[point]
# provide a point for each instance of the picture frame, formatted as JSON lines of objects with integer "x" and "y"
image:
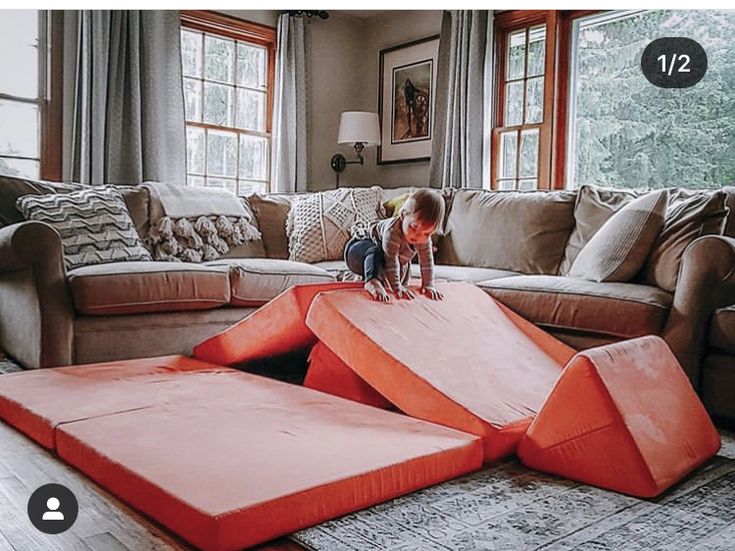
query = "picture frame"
{"x": 406, "y": 100}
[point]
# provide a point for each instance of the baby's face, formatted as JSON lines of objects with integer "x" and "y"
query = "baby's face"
{"x": 415, "y": 230}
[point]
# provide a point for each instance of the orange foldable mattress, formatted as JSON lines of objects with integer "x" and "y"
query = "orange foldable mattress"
{"x": 465, "y": 362}
{"x": 223, "y": 458}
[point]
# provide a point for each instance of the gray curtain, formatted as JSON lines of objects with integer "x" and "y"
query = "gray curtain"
{"x": 123, "y": 115}
{"x": 290, "y": 139}
{"x": 457, "y": 144}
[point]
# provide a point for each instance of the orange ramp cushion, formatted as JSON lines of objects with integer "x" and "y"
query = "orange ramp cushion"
{"x": 252, "y": 459}
{"x": 329, "y": 374}
{"x": 623, "y": 417}
{"x": 465, "y": 362}
{"x": 276, "y": 328}
{"x": 36, "y": 402}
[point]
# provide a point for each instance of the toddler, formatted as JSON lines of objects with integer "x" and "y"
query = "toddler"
{"x": 383, "y": 254}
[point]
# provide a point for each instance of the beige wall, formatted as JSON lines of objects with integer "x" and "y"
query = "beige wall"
{"x": 264, "y": 17}
{"x": 386, "y": 30}
{"x": 344, "y": 62}
{"x": 337, "y": 64}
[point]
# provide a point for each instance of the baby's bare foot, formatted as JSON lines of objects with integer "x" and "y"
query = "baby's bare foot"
{"x": 377, "y": 291}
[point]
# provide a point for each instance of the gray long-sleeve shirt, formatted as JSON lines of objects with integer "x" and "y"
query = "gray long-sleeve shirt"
{"x": 398, "y": 254}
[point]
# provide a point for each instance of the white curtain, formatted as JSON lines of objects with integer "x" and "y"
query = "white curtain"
{"x": 460, "y": 110}
{"x": 290, "y": 139}
{"x": 123, "y": 113}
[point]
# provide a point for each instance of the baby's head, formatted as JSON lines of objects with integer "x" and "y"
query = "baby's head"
{"x": 421, "y": 214}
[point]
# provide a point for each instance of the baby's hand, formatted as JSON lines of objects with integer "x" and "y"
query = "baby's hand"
{"x": 377, "y": 291}
{"x": 404, "y": 292}
{"x": 432, "y": 293}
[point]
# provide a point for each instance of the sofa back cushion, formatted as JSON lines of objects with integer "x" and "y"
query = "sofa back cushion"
{"x": 519, "y": 231}
{"x": 271, "y": 212}
{"x": 619, "y": 248}
{"x": 136, "y": 199}
{"x": 690, "y": 214}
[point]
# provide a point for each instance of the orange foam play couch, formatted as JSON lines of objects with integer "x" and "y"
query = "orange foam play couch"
{"x": 223, "y": 458}
{"x": 466, "y": 362}
{"x": 623, "y": 417}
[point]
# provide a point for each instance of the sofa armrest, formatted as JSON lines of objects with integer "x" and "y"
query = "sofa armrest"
{"x": 706, "y": 282}
{"x": 36, "y": 324}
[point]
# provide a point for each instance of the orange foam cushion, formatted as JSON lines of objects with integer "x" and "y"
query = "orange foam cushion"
{"x": 623, "y": 417}
{"x": 247, "y": 459}
{"x": 276, "y": 328}
{"x": 35, "y": 402}
{"x": 465, "y": 362}
{"x": 327, "y": 373}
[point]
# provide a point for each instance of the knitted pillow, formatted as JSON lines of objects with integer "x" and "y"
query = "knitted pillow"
{"x": 620, "y": 247}
{"x": 199, "y": 239}
{"x": 94, "y": 225}
{"x": 319, "y": 224}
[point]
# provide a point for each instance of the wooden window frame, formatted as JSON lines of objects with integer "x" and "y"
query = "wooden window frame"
{"x": 48, "y": 98}
{"x": 244, "y": 31}
{"x": 505, "y": 24}
{"x": 553, "y": 129}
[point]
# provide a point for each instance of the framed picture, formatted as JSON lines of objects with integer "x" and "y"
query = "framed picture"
{"x": 407, "y": 94}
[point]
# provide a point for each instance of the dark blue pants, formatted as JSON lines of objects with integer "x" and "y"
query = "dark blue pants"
{"x": 364, "y": 257}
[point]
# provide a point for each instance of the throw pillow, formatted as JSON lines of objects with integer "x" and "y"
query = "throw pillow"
{"x": 319, "y": 224}
{"x": 620, "y": 247}
{"x": 593, "y": 207}
{"x": 199, "y": 238}
{"x": 690, "y": 215}
{"x": 94, "y": 225}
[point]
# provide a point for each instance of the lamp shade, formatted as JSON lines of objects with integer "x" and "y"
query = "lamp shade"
{"x": 359, "y": 126}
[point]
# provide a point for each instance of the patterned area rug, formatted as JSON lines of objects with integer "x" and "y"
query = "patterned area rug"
{"x": 509, "y": 507}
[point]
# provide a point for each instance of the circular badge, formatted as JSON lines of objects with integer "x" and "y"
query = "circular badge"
{"x": 674, "y": 62}
{"x": 53, "y": 508}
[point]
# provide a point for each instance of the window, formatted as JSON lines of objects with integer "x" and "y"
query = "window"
{"x": 22, "y": 43}
{"x": 625, "y": 132}
{"x": 522, "y": 138}
{"x": 228, "y": 68}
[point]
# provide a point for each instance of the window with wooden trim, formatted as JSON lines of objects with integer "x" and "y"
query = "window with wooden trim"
{"x": 228, "y": 72}
{"x": 22, "y": 91}
{"x": 521, "y": 139}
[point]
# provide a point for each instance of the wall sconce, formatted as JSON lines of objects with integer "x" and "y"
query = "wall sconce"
{"x": 359, "y": 128}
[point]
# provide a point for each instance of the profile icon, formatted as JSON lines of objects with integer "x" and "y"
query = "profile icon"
{"x": 53, "y": 512}
{"x": 53, "y": 508}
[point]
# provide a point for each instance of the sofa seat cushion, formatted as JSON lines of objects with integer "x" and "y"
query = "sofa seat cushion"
{"x": 722, "y": 330}
{"x": 339, "y": 269}
{"x": 255, "y": 281}
{"x": 463, "y": 273}
{"x": 138, "y": 287}
{"x": 623, "y": 310}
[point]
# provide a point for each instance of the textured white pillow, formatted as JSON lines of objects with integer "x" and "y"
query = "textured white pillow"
{"x": 94, "y": 225}
{"x": 620, "y": 247}
{"x": 319, "y": 224}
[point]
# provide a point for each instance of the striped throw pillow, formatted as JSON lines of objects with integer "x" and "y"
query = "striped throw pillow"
{"x": 94, "y": 225}
{"x": 619, "y": 249}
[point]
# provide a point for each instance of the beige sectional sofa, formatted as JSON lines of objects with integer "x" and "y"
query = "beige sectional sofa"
{"x": 516, "y": 246}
